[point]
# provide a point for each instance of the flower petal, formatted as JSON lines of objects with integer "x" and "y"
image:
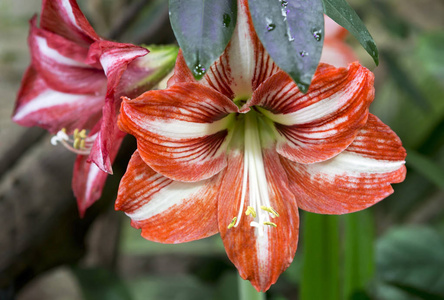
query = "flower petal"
{"x": 355, "y": 179}
{"x": 182, "y": 73}
{"x": 60, "y": 62}
{"x": 181, "y": 132}
{"x": 88, "y": 180}
{"x": 65, "y": 18}
{"x": 39, "y": 105}
{"x": 245, "y": 64}
{"x": 318, "y": 125}
{"x": 114, "y": 58}
{"x": 260, "y": 259}
{"x": 337, "y": 53}
{"x": 167, "y": 211}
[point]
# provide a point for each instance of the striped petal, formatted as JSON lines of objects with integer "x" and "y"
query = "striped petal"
{"x": 181, "y": 132}
{"x": 61, "y": 63}
{"x": 260, "y": 259}
{"x": 167, "y": 211}
{"x": 355, "y": 179}
{"x": 88, "y": 180}
{"x": 245, "y": 64}
{"x": 318, "y": 125}
{"x": 64, "y": 17}
{"x": 39, "y": 105}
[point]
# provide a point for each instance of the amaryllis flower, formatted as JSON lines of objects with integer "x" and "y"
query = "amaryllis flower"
{"x": 73, "y": 86}
{"x": 240, "y": 151}
{"x": 336, "y": 51}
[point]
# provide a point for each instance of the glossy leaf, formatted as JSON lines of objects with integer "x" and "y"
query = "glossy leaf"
{"x": 344, "y": 15}
{"x": 293, "y": 33}
{"x": 203, "y": 29}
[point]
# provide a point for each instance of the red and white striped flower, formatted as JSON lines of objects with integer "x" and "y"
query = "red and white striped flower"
{"x": 73, "y": 87}
{"x": 240, "y": 151}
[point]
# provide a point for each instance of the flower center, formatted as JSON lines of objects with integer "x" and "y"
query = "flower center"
{"x": 78, "y": 143}
{"x": 254, "y": 179}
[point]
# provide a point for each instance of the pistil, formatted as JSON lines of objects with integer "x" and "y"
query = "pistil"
{"x": 254, "y": 179}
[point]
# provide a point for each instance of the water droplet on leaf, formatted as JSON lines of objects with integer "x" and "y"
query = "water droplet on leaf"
{"x": 303, "y": 53}
{"x": 317, "y": 34}
{"x": 199, "y": 71}
{"x": 227, "y": 20}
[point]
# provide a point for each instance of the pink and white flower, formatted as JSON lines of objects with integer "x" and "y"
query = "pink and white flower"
{"x": 73, "y": 87}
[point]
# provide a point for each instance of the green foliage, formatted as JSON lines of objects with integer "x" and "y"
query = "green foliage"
{"x": 341, "y": 12}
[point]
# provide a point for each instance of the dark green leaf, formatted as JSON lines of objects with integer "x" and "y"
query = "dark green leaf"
{"x": 412, "y": 259}
{"x": 344, "y": 15}
{"x": 292, "y": 32}
{"x": 203, "y": 29}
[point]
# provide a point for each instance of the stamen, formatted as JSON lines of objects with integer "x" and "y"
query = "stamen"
{"x": 270, "y": 224}
{"x": 250, "y": 210}
{"x": 232, "y": 223}
{"x": 270, "y": 210}
{"x": 80, "y": 143}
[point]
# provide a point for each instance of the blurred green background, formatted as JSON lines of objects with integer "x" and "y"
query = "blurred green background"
{"x": 394, "y": 250}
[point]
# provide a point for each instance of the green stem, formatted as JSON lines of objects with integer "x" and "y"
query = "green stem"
{"x": 247, "y": 291}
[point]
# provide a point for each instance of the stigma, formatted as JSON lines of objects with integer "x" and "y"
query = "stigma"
{"x": 258, "y": 209}
{"x": 79, "y": 142}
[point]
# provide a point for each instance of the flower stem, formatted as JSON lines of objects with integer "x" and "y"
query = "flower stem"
{"x": 247, "y": 291}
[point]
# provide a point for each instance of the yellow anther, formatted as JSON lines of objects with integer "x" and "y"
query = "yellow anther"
{"x": 232, "y": 223}
{"x": 77, "y": 143}
{"x": 270, "y": 210}
{"x": 82, "y": 144}
{"x": 76, "y": 134}
{"x": 250, "y": 210}
{"x": 63, "y": 130}
{"x": 82, "y": 134}
{"x": 270, "y": 224}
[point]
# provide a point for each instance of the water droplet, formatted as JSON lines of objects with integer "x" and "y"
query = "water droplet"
{"x": 317, "y": 34}
{"x": 199, "y": 71}
{"x": 283, "y": 3}
{"x": 227, "y": 20}
{"x": 303, "y": 53}
{"x": 270, "y": 24}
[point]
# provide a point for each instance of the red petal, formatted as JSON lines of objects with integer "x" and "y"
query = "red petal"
{"x": 61, "y": 63}
{"x": 167, "y": 211}
{"x": 318, "y": 125}
{"x": 355, "y": 179}
{"x": 88, "y": 180}
{"x": 182, "y": 73}
{"x": 65, "y": 18}
{"x": 181, "y": 132}
{"x": 258, "y": 259}
{"x": 38, "y": 105}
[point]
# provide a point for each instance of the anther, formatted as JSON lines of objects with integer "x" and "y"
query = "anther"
{"x": 232, "y": 223}
{"x": 270, "y": 210}
{"x": 270, "y": 224}
{"x": 250, "y": 210}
